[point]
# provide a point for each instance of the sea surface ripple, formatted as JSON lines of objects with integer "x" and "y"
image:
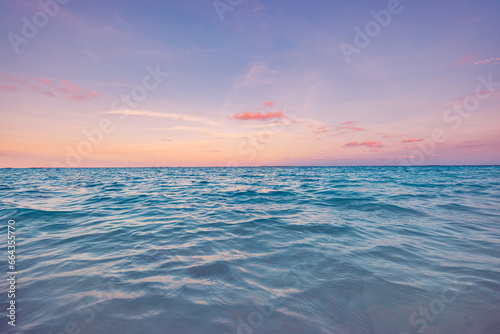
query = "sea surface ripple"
{"x": 254, "y": 250}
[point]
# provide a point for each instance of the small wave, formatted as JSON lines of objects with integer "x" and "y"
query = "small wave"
{"x": 215, "y": 269}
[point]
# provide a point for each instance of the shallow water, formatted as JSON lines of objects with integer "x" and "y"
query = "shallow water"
{"x": 254, "y": 250}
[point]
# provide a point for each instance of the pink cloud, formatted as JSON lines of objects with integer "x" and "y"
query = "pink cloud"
{"x": 269, "y": 104}
{"x": 167, "y": 140}
{"x": 90, "y": 95}
{"x": 372, "y": 143}
{"x": 21, "y": 84}
{"x": 12, "y": 79}
{"x": 351, "y": 128}
{"x": 247, "y": 116}
{"x": 488, "y": 61}
{"x": 348, "y": 127}
{"x": 464, "y": 60}
{"x": 319, "y": 129}
{"x": 75, "y": 92}
{"x": 458, "y": 101}
{"x": 461, "y": 100}
{"x": 66, "y": 87}
{"x": 341, "y": 129}
{"x": 47, "y": 87}
{"x": 412, "y": 140}
{"x": 393, "y": 136}
{"x": 39, "y": 89}
{"x": 368, "y": 143}
{"x": 44, "y": 81}
{"x": 409, "y": 156}
{"x": 8, "y": 87}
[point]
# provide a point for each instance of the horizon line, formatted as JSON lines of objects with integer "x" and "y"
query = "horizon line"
{"x": 272, "y": 166}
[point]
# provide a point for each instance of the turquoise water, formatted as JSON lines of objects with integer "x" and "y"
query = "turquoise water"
{"x": 254, "y": 250}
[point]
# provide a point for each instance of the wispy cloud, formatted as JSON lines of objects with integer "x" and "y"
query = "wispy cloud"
{"x": 8, "y": 87}
{"x": 350, "y": 128}
{"x": 148, "y": 113}
{"x": 472, "y": 20}
{"x": 464, "y": 60}
{"x": 390, "y": 136}
{"x": 461, "y": 100}
{"x": 343, "y": 128}
{"x": 469, "y": 144}
{"x": 209, "y": 133}
{"x": 412, "y": 140}
{"x": 488, "y": 61}
{"x": 258, "y": 74}
{"x": 368, "y": 143}
{"x": 249, "y": 116}
{"x": 47, "y": 87}
{"x": 347, "y": 127}
{"x": 319, "y": 129}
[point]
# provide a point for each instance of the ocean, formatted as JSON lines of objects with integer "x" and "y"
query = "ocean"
{"x": 316, "y": 250}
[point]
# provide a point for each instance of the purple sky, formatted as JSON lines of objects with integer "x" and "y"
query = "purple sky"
{"x": 228, "y": 83}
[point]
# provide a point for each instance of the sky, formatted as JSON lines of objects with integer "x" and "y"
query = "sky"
{"x": 124, "y": 83}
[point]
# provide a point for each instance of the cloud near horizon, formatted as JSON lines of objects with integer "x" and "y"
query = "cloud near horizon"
{"x": 390, "y": 136}
{"x": 470, "y": 144}
{"x": 249, "y": 116}
{"x": 180, "y": 117}
{"x": 351, "y": 128}
{"x": 319, "y": 129}
{"x": 368, "y": 143}
{"x": 412, "y": 140}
